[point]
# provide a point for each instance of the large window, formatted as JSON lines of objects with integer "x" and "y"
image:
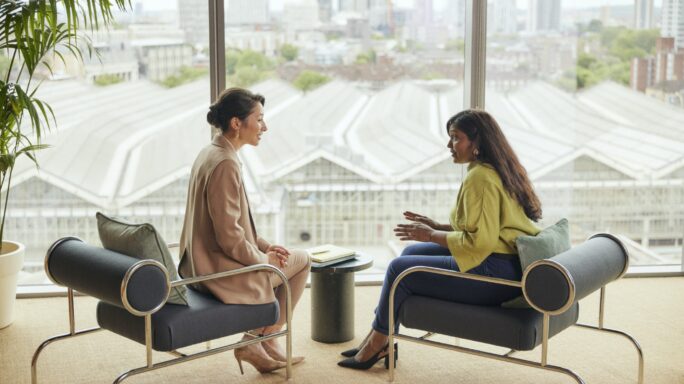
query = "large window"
{"x": 357, "y": 93}
{"x": 591, "y": 96}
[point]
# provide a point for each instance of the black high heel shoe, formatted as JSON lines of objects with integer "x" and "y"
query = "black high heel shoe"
{"x": 365, "y": 365}
{"x": 352, "y": 352}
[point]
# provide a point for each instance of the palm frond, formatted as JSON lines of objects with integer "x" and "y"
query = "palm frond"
{"x": 32, "y": 32}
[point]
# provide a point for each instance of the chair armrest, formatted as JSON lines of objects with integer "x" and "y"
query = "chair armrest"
{"x": 553, "y": 285}
{"x": 139, "y": 286}
{"x": 462, "y": 275}
{"x": 218, "y": 275}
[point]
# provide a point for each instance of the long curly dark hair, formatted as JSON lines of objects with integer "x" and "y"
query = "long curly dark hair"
{"x": 494, "y": 149}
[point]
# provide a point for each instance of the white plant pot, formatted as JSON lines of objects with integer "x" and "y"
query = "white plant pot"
{"x": 11, "y": 260}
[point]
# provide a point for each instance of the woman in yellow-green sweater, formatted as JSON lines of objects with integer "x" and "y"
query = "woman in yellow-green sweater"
{"x": 495, "y": 205}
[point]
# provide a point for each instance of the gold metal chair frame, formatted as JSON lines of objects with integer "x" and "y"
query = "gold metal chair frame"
{"x": 507, "y": 356}
{"x": 180, "y": 357}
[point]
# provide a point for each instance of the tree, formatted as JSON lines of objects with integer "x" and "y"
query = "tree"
{"x": 368, "y": 57}
{"x": 308, "y": 80}
{"x": 247, "y": 67}
{"x": 456, "y": 45}
{"x": 595, "y": 26}
{"x": 107, "y": 79}
{"x": 620, "y": 45}
{"x": 254, "y": 59}
{"x": 289, "y": 52}
{"x": 184, "y": 75}
{"x": 232, "y": 57}
{"x": 246, "y": 76}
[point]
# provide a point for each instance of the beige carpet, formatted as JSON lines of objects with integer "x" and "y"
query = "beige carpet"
{"x": 650, "y": 309}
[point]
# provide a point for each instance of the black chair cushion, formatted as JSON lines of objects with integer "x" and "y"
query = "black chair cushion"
{"x": 518, "y": 329}
{"x": 174, "y": 326}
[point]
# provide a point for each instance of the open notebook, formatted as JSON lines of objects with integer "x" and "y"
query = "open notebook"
{"x": 330, "y": 254}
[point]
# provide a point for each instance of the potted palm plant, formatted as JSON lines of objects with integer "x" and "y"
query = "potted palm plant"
{"x": 33, "y": 33}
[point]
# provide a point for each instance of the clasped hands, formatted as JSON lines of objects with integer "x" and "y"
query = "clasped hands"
{"x": 277, "y": 255}
{"x": 421, "y": 228}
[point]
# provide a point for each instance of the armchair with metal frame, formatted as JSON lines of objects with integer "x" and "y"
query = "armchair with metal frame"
{"x": 133, "y": 295}
{"x": 552, "y": 287}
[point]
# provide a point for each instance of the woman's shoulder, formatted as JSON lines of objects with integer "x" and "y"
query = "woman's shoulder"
{"x": 482, "y": 173}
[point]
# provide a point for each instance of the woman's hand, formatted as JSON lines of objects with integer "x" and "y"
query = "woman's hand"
{"x": 412, "y": 216}
{"x": 414, "y": 231}
{"x": 278, "y": 248}
{"x": 277, "y": 255}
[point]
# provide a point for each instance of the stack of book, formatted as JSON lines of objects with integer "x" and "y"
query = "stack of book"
{"x": 329, "y": 254}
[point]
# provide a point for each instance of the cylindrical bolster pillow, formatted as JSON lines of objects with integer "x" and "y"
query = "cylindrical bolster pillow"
{"x": 101, "y": 273}
{"x": 553, "y": 285}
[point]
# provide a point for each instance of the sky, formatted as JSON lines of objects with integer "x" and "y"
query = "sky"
{"x": 152, "y": 5}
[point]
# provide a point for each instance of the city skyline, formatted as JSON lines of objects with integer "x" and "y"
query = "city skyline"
{"x": 277, "y": 5}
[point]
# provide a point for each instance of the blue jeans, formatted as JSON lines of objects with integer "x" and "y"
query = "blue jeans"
{"x": 440, "y": 286}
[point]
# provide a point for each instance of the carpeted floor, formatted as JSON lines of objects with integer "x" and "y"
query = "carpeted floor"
{"x": 651, "y": 309}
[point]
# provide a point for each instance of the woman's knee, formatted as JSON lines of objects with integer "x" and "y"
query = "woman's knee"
{"x": 413, "y": 249}
{"x": 301, "y": 260}
{"x": 399, "y": 265}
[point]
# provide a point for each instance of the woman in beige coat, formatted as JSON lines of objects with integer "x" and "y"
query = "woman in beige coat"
{"x": 219, "y": 234}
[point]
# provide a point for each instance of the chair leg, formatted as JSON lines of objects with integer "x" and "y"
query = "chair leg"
{"x": 640, "y": 352}
{"x": 36, "y": 354}
{"x": 494, "y": 356}
{"x": 198, "y": 355}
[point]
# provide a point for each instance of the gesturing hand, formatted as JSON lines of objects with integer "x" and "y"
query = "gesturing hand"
{"x": 414, "y": 231}
{"x": 412, "y": 216}
{"x": 277, "y": 255}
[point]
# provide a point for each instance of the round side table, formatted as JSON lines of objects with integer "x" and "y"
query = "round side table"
{"x": 332, "y": 299}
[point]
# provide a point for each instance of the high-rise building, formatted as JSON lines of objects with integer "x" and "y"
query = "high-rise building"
{"x": 379, "y": 14}
{"x": 454, "y": 18}
{"x": 423, "y": 12}
{"x": 301, "y": 14}
{"x": 641, "y": 73}
{"x": 358, "y": 6}
{"x": 193, "y": 16}
{"x": 247, "y": 12}
{"x": 543, "y": 15}
{"x": 643, "y": 14}
{"x": 672, "y": 22}
{"x": 501, "y": 17}
{"x": 324, "y": 10}
{"x": 666, "y": 65}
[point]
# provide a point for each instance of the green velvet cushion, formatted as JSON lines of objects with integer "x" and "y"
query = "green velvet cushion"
{"x": 143, "y": 242}
{"x": 550, "y": 242}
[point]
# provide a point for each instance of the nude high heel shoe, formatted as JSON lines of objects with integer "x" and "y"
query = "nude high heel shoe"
{"x": 256, "y": 355}
{"x": 278, "y": 356}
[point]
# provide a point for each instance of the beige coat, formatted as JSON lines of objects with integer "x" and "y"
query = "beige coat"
{"x": 218, "y": 231}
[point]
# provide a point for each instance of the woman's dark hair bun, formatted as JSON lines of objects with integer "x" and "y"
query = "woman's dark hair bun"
{"x": 212, "y": 116}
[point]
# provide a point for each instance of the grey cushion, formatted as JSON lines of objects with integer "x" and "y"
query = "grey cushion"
{"x": 141, "y": 241}
{"x": 519, "y": 329}
{"x": 550, "y": 242}
{"x": 100, "y": 272}
{"x": 175, "y": 326}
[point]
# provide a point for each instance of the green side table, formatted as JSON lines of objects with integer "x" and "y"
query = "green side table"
{"x": 332, "y": 299}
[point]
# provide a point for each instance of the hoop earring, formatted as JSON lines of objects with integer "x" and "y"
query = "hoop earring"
{"x": 476, "y": 152}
